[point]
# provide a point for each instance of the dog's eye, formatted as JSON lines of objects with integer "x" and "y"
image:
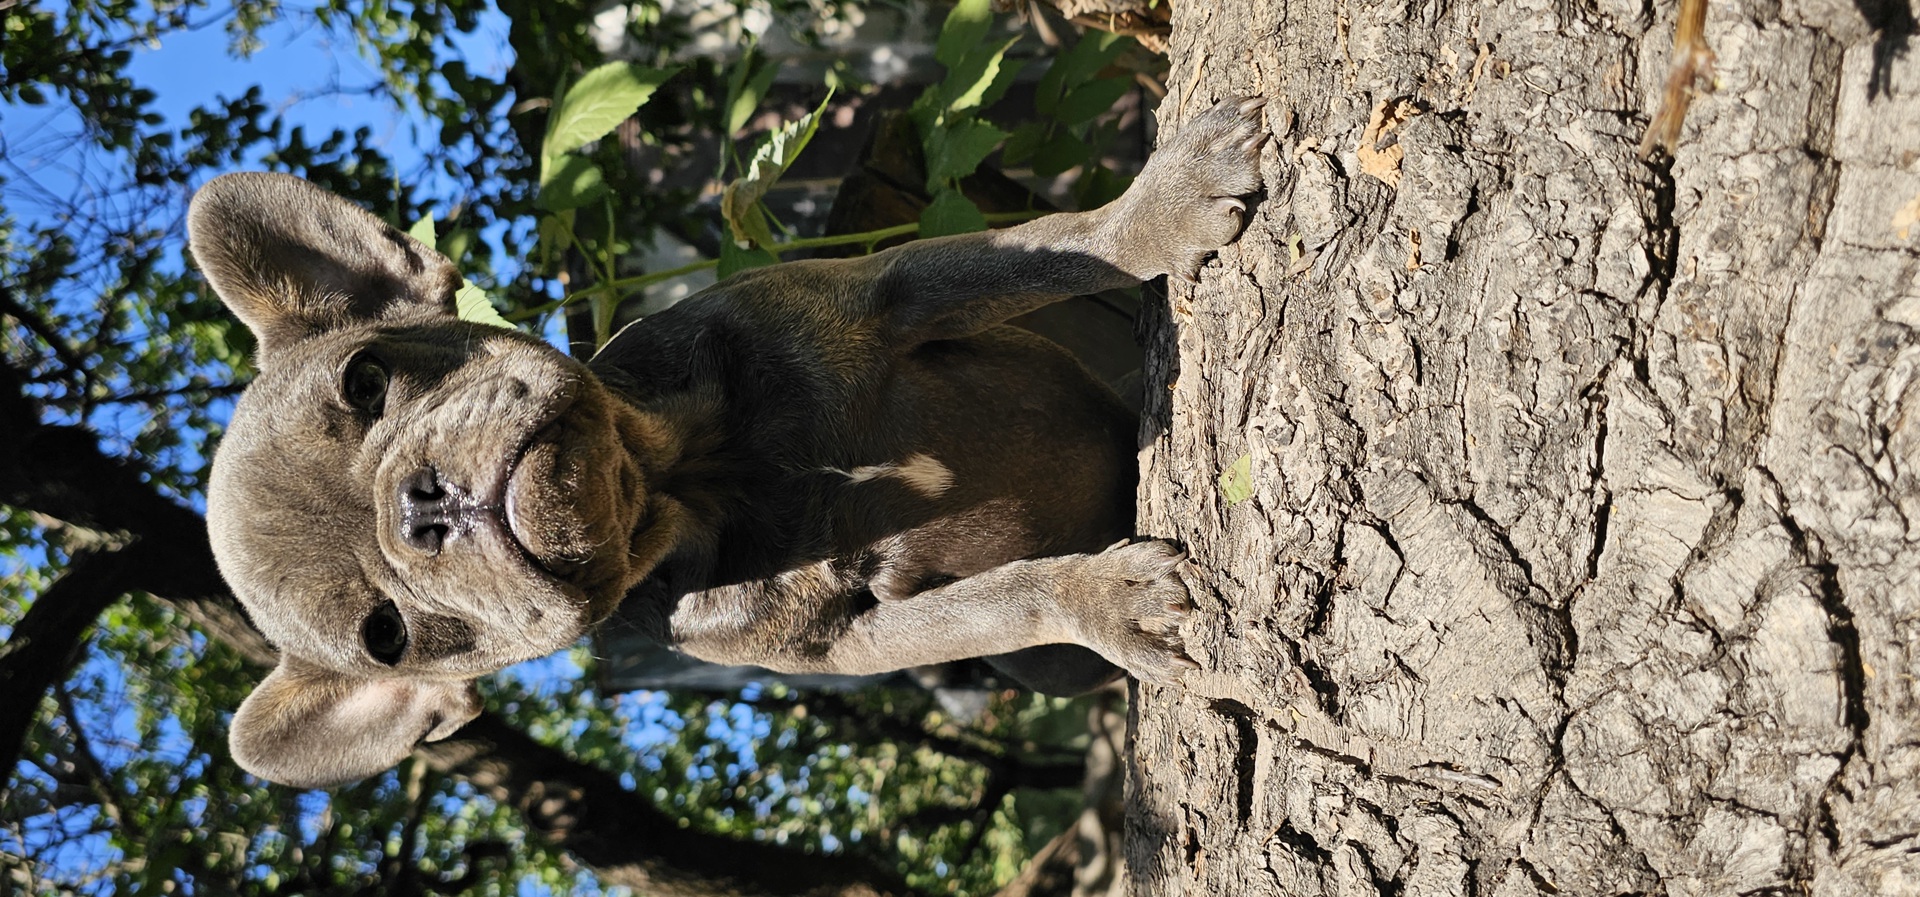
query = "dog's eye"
{"x": 365, "y": 384}
{"x": 385, "y": 634}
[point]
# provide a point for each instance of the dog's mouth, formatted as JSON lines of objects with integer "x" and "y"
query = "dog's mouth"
{"x": 541, "y": 478}
{"x": 530, "y": 502}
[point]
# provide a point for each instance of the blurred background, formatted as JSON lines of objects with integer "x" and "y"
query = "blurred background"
{"x": 612, "y": 768}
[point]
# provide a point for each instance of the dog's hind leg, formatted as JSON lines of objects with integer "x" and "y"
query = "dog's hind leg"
{"x": 1184, "y": 205}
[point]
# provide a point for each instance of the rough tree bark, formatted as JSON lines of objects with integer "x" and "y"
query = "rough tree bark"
{"x": 1574, "y": 547}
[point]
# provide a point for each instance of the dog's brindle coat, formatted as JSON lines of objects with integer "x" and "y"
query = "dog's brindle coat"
{"x": 840, "y": 466}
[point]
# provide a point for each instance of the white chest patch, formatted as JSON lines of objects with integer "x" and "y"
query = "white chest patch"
{"x": 921, "y": 473}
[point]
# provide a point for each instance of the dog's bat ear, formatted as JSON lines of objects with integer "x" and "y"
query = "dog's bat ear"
{"x": 311, "y": 728}
{"x": 292, "y": 260}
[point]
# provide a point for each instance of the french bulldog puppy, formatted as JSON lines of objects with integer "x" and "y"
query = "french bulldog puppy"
{"x": 844, "y": 466}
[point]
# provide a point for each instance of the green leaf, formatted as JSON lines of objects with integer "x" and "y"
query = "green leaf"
{"x": 1099, "y": 185}
{"x": 733, "y": 259}
{"x": 960, "y": 151}
{"x": 600, "y": 100}
{"x": 1086, "y": 58}
{"x": 456, "y": 243}
{"x": 981, "y": 77}
{"x": 740, "y": 201}
{"x": 471, "y": 304}
{"x": 555, "y": 237}
{"x": 950, "y": 213}
{"x": 743, "y": 99}
{"x": 422, "y": 230}
{"x": 746, "y": 221}
{"x": 573, "y": 183}
{"x": 1022, "y": 143}
{"x": 604, "y": 304}
{"x": 1063, "y": 152}
{"x": 966, "y": 26}
{"x": 1236, "y": 485}
{"x": 737, "y": 76}
{"x": 1088, "y": 100}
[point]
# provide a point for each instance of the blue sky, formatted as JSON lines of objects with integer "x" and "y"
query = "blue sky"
{"x": 311, "y": 77}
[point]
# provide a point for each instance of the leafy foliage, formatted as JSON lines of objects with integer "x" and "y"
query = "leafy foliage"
{"x": 1073, "y": 93}
{"x": 742, "y": 203}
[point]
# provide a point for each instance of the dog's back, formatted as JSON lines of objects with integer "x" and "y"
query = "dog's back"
{"x": 856, "y": 472}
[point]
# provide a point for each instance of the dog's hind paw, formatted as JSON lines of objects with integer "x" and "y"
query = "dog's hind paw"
{"x": 1134, "y": 608}
{"x": 1187, "y": 200}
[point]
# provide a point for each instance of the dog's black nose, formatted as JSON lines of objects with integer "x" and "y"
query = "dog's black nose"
{"x": 430, "y": 511}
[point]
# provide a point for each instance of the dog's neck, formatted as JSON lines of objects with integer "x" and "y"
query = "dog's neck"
{"x": 675, "y": 443}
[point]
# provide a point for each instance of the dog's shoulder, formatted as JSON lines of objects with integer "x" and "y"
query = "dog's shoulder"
{"x": 780, "y": 348}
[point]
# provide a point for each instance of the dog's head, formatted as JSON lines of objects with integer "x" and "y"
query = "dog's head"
{"x": 403, "y": 500}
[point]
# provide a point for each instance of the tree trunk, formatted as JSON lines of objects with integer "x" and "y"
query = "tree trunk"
{"x": 1552, "y": 511}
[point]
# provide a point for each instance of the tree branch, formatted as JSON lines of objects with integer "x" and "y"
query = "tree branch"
{"x": 202, "y": 390}
{"x": 585, "y": 810}
{"x": 85, "y": 762}
{"x": 43, "y": 646}
{"x": 49, "y": 334}
{"x": 61, "y": 472}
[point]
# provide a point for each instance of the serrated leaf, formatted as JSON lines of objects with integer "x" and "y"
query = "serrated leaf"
{"x": 601, "y": 99}
{"x": 574, "y": 182}
{"x": 966, "y": 26}
{"x": 1084, "y": 103}
{"x": 1236, "y": 484}
{"x": 960, "y": 150}
{"x": 739, "y": 202}
{"x": 1004, "y": 75}
{"x": 471, "y": 304}
{"x": 950, "y": 213}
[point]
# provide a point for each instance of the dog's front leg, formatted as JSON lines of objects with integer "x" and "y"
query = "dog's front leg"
{"x": 1124, "y": 603}
{"x": 1184, "y": 205}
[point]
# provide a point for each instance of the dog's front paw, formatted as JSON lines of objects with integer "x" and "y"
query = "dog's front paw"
{"x": 1131, "y": 609}
{"x": 1187, "y": 202}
